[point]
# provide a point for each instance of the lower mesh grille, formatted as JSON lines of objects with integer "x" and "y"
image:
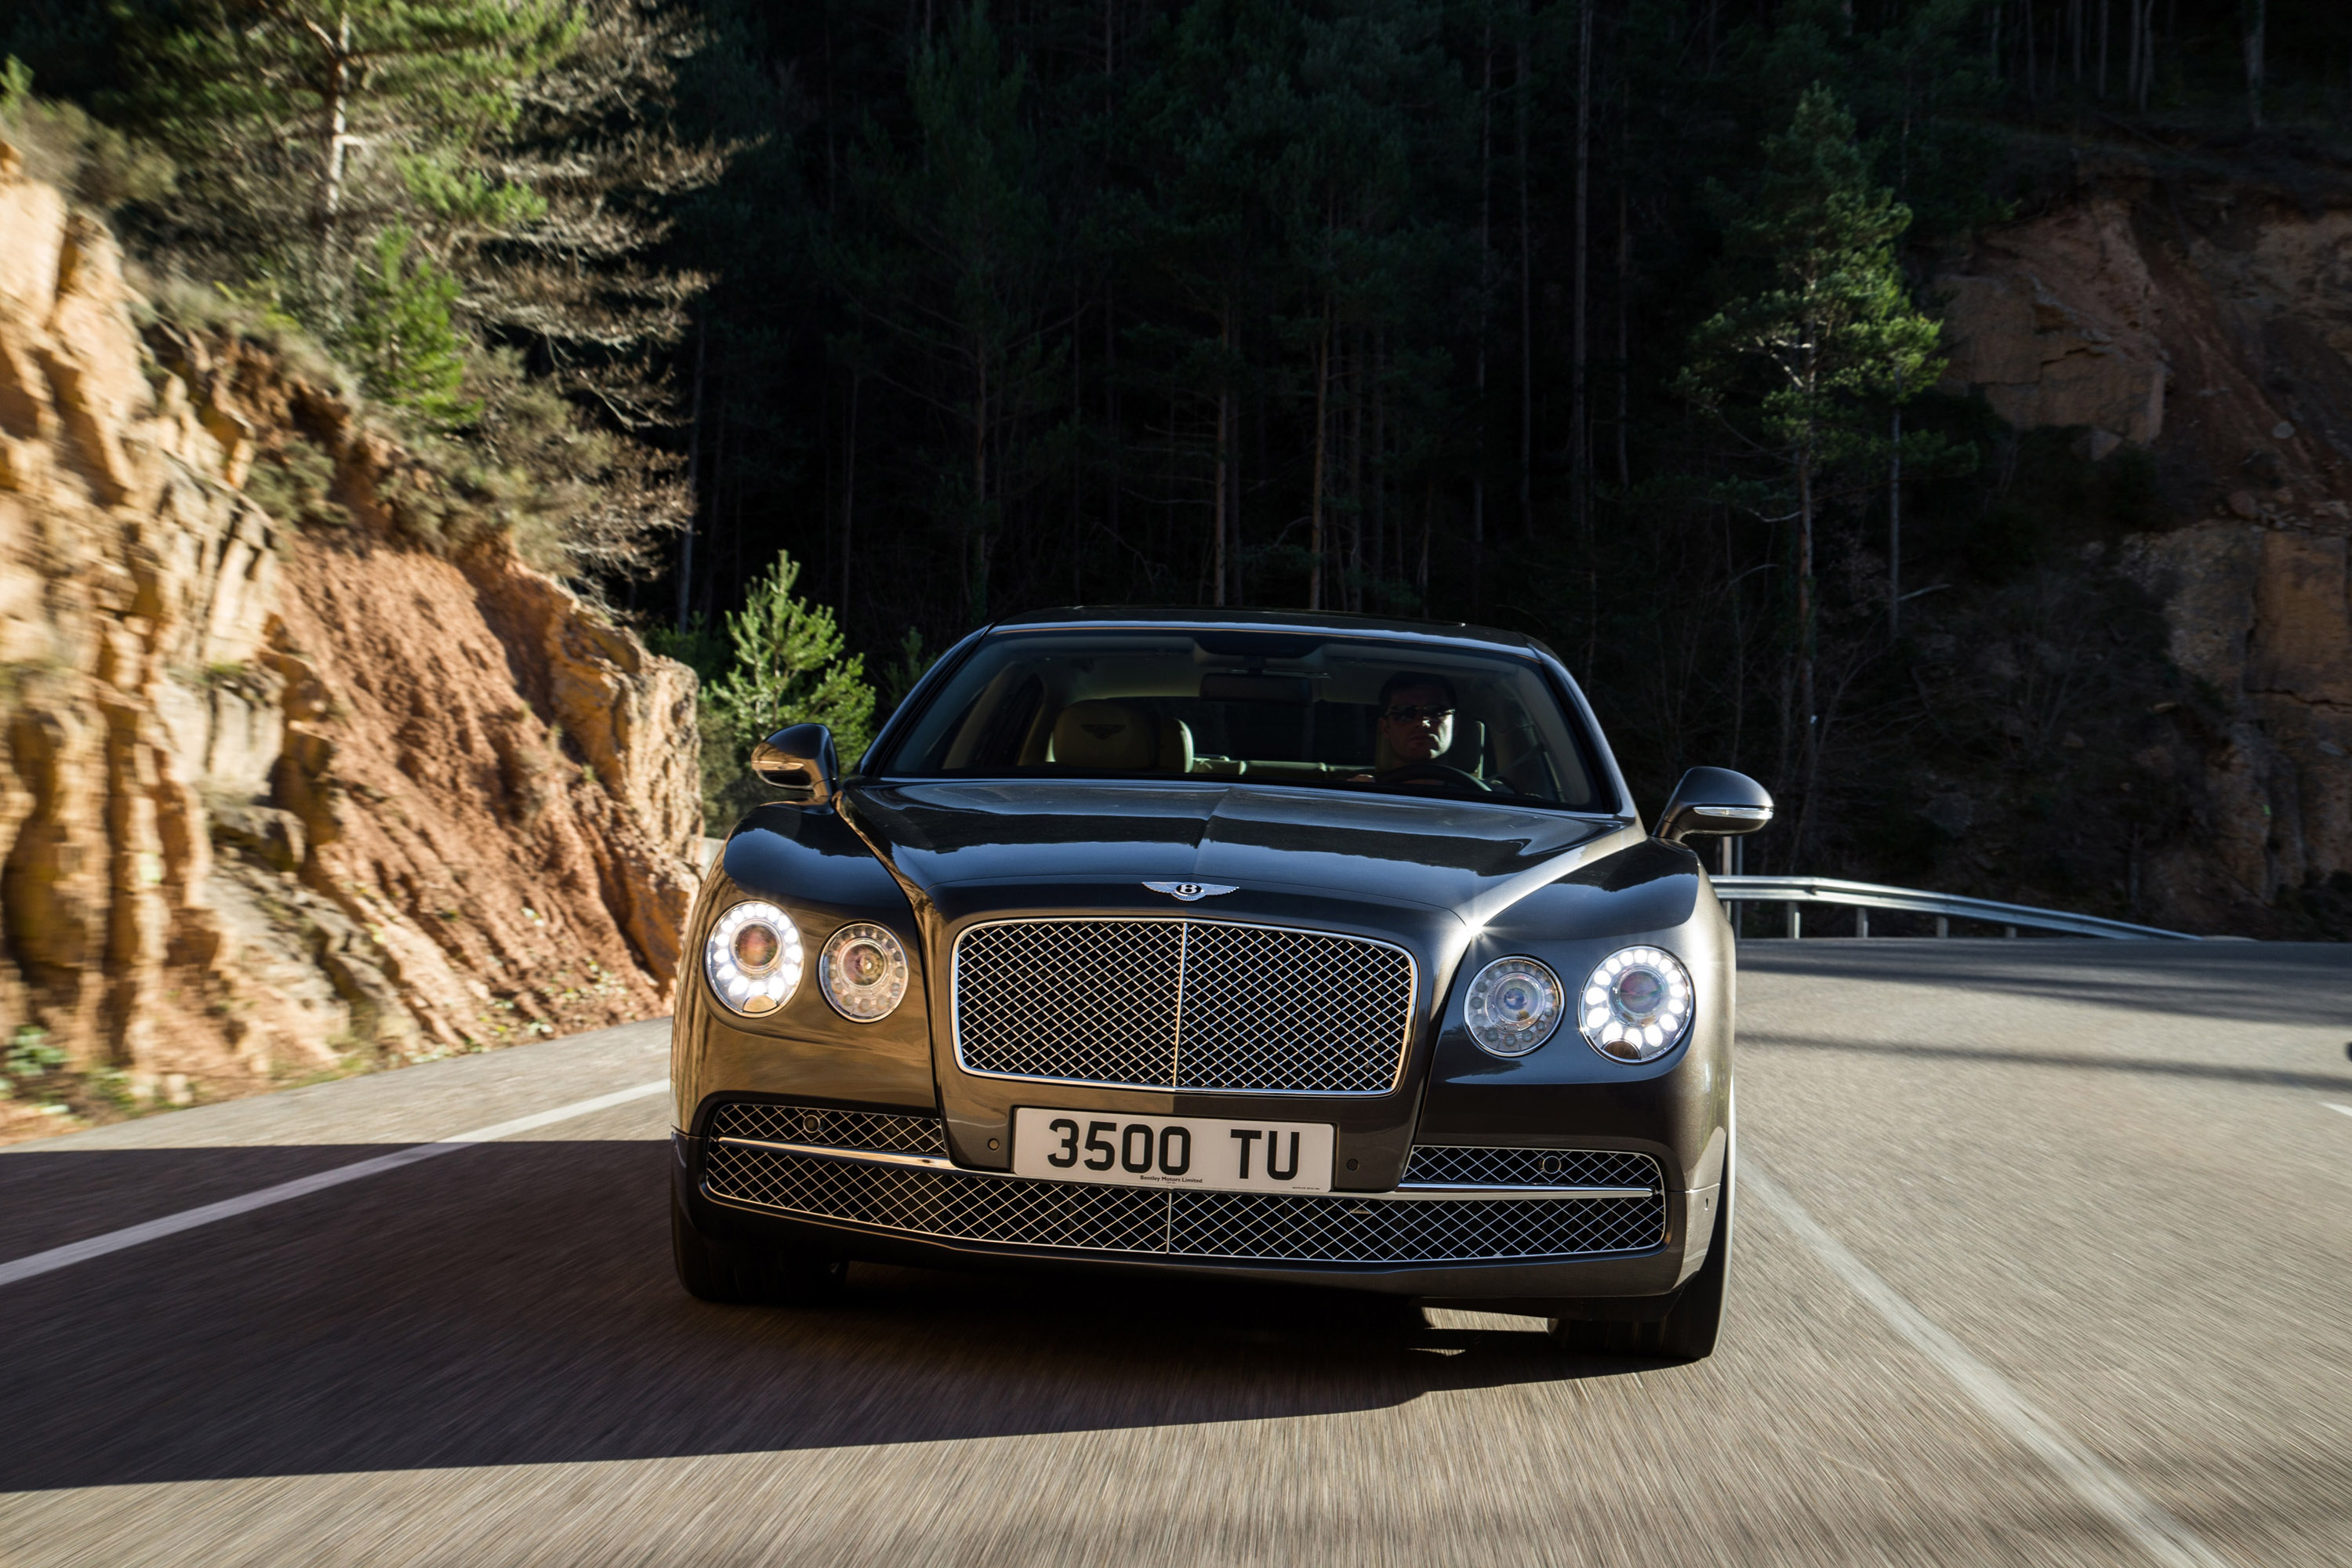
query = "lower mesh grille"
{"x": 890, "y": 1134}
{"x": 1463, "y": 1165}
{"x": 1254, "y": 1227}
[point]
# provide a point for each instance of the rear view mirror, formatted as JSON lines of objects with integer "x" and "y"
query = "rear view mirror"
{"x": 1714, "y": 802}
{"x": 800, "y": 758}
{"x": 1226, "y": 686}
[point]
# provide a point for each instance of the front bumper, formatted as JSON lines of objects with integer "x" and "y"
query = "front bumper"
{"x": 905, "y": 1202}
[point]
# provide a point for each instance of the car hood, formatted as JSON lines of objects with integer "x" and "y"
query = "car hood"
{"x": 1471, "y": 858}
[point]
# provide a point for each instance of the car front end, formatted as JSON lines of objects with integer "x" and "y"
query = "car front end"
{"x": 1474, "y": 1050}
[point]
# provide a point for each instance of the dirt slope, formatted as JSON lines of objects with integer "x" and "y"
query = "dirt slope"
{"x": 283, "y": 790}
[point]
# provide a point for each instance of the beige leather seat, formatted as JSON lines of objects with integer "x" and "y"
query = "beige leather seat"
{"x": 1104, "y": 736}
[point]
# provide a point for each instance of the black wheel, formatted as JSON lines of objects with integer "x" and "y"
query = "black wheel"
{"x": 1688, "y": 1331}
{"x": 736, "y": 1275}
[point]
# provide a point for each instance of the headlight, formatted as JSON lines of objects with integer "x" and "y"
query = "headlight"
{"x": 753, "y": 957}
{"x": 1636, "y": 1004}
{"x": 1513, "y": 1007}
{"x": 864, "y": 970}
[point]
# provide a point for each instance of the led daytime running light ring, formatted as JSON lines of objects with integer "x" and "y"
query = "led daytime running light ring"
{"x": 753, "y": 989}
{"x": 1636, "y": 1005}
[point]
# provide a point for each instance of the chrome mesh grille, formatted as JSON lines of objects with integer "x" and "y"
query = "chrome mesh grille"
{"x": 1460, "y": 1165}
{"x": 1175, "y": 1003}
{"x": 834, "y": 1129}
{"x": 943, "y": 1203}
{"x": 1271, "y": 1227}
{"x": 1264, "y": 1228}
{"x": 1086, "y": 1001}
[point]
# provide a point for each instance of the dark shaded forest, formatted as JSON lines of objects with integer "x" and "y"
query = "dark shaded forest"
{"x": 1607, "y": 320}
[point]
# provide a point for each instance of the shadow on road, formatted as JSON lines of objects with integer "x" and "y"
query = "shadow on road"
{"x": 2239, "y": 982}
{"x": 1994, "y": 1056}
{"x": 513, "y": 1304}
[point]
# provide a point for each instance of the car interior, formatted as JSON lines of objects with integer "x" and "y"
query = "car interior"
{"x": 1180, "y": 706}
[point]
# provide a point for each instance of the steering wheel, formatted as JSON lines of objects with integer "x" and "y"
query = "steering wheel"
{"x": 1434, "y": 773}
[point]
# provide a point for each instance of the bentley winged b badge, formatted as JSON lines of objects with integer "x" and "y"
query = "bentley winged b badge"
{"x": 1186, "y": 892}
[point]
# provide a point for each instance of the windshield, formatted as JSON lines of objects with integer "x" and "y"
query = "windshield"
{"x": 1310, "y": 708}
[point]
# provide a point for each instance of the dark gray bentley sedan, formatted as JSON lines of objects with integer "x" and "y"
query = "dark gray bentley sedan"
{"x": 1293, "y": 947}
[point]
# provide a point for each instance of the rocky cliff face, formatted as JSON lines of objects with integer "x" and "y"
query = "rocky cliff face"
{"x": 2209, "y": 319}
{"x": 280, "y": 793}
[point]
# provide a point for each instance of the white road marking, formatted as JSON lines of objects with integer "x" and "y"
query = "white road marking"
{"x": 2331, "y": 1105}
{"x": 64, "y": 1257}
{"x": 2164, "y": 1538}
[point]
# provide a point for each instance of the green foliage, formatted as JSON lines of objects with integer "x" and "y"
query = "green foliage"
{"x": 788, "y": 669}
{"x": 463, "y": 198}
{"x": 295, "y": 484}
{"x": 63, "y": 145}
{"x": 405, "y": 80}
{"x": 398, "y": 334}
{"x": 905, "y": 671}
{"x": 701, "y": 647}
{"x": 1832, "y": 324}
{"x": 28, "y": 1055}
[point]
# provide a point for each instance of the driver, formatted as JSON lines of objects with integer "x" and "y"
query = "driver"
{"x": 1416, "y": 721}
{"x": 1414, "y": 726}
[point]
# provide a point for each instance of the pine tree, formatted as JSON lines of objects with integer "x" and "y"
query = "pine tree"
{"x": 350, "y": 113}
{"x": 1835, "y": 333}
{"x": 788, "y": 669}
{"x": 398, "y": 335}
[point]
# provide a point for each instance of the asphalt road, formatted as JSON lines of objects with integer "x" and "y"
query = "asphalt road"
{"x": 2044, "y": 1256}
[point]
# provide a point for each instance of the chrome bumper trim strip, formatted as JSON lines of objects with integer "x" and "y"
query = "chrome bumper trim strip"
{"x": 1409, "y": 1190}
{"x": 852, "y": 1156}
{"x": 1408, "y": 1193}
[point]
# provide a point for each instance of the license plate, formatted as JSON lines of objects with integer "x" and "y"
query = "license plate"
{"x": 1172, "y": 1151}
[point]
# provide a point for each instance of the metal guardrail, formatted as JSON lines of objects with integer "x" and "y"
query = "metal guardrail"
{"x": 1796, "y": 892}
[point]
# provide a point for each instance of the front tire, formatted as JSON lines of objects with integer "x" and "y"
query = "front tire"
{"x": 740, "y": 1276}
{"x": 1691, "y": 1326}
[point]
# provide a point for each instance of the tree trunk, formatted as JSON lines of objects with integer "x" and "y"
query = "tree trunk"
{"x": 1315, "y": 506}
{"x": 1485, "y": 287}
{"x": 2258, "y": 15}
{"x": 849, "y": 494}
{"x": 1580, "y": 441}
{"x": 1894, "y": 520}
{"x": 1224, "y": 421}
{"x": 1526, "y": 90}
{"x": 2033, "y": 70}
{"x": 1379, "y": 551}
{"x": 1356, "y": 399}
{"x": 2106, "y": 9}
{"x": 1807, "y": 715}
{"x": 976, "y": 524}
{"x": 1428, "y": 521}
{"x": 1111, "y": 443}
{"x": 336, "y": 126}
{"x": 717, "y": 494}
{"x": 693, "y": 476}
{"x": 1625, "y": 333}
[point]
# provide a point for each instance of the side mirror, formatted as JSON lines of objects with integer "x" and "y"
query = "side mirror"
{"x": 1714, "y": 801}
{"x": 800, "y": 758}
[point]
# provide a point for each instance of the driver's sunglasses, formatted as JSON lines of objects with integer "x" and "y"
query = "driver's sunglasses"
{"x": 1419, "y": 715}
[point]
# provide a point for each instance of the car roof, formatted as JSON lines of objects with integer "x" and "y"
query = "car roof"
{"x": 1207, "y": 618}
